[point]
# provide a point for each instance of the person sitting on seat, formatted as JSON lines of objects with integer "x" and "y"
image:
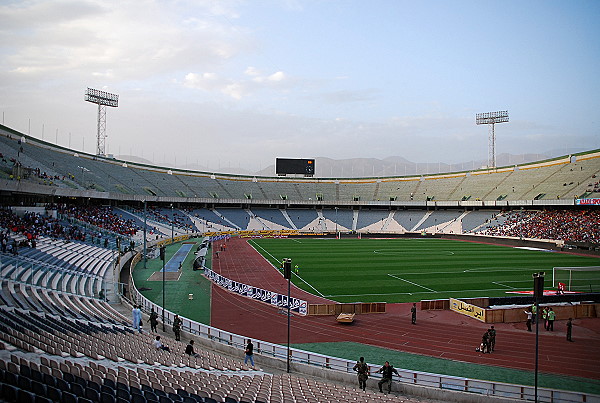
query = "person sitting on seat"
{"x": 189, "y": 350}
{"x": 158, "y": 344}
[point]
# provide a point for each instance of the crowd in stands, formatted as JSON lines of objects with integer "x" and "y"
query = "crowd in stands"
{"x": 566, "y": 225}
{"x": 101, "y": 217}
{"x": 32, "y": 225}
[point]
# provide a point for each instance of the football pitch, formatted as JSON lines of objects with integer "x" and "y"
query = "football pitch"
{"x": 411, "y": 270}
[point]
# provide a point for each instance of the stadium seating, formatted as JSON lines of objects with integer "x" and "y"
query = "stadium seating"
{"x": 562, "y": 178}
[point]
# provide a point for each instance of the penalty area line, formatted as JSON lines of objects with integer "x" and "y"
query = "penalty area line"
{"x": 310, "y": 285}
{"x": 410, "y": 282}
{"x": 279, "y": 270}
{"x": 504, "y": 285}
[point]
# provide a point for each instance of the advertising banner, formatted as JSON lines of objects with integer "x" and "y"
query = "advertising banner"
{"x": 467, "y": 309}
{"x": 273, "y": 298}
{"x": 588, "y": 202}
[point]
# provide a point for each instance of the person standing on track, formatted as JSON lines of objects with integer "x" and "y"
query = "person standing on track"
{"x": 551, "y": 318}
{"x": 529, "y": 316}
{"x": 569, "y": 329}
{"x": 363, "y": 372}
{"x": 413, "y": 312}
{"x": 492, "y": 339}
{"x": 545, "y": 317}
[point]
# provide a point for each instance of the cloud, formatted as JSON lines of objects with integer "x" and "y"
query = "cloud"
{"x": 236, "y": 88}
{"x": 132, "y": 40}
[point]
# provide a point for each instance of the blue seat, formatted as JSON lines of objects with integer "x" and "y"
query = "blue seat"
{"x": 9, "y": 392}
{"x": 175, "y": 397}
{"x": 135, "y": 398}
{"x": 78, "y": 390}
{"x": 63, "y": 385}
{"x": 23, "y": 382}
{"x": 68, "y": 377}
{"x": 53, "y": 393}
{"x": 11, "y": 379}
{"x": 92, "y": 394}
{"x": 110, "y": 383}
{"x": 107, "y": 398}
{"x": 124, "y": 394}
{"x": 42, "y": 399}
{"x": 38, "y": 388}
{"x": 48, "y": 380}
{"x": 25, "y": 396}
{"x": 107, "y": 389}
{"x": 68, "y": 397}
{"x": 37, "y": 375}
{"x": 25, "y": 370}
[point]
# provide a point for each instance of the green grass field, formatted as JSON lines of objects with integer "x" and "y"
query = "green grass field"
{"x": 408, "y": 270}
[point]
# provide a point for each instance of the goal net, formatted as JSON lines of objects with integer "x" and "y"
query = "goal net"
{"x": 576, "y": 279}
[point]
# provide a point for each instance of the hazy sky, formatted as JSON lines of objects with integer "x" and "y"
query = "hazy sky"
{"x": 239, "y": 83}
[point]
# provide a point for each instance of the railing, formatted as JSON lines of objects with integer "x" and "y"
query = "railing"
{"x": 409, "y": 377}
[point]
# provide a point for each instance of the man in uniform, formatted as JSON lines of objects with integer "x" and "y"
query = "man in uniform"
{"x": 177, "y": 322}
{"x": 491, "y": 339}
{"x": 363, "y": 373}
{"x": 387, "y": 371}
{"x": 551, "y": 317}
{"x": 413, "y": 312}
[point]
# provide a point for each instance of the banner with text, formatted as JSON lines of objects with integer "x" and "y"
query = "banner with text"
{"x": 588, "y": 202}
{"x": 467, "y": 309}
{"x": 273, "y": 298}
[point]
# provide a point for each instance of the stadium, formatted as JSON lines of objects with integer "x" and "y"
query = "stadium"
{"x": 87, "y": 237}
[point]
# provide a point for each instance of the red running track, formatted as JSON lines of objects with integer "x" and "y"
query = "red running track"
{"x": 442, "y": 334}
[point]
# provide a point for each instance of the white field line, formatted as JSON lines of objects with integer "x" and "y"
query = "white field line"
{"x": 410, "y": 282}
{"x": 504, "y": 285}
{"x": 417, "y": 292}
{"x": 254, "y": 245}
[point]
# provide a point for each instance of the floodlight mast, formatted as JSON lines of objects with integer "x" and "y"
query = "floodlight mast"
{"x": 491, "y": 118}
{"x": 102, "y": 99}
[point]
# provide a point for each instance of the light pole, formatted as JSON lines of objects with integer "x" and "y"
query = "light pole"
{"x": 172, "y": 230}
{"x": 287, "y": 273}
{"x": 491, "y": 118}
{"x": 336, "y": 231}
{"x": 145, "y": 220}
{"x": 538, "y": 293}
{"x": 162, "y": 257}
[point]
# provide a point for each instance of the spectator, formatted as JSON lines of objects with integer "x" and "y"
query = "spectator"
{"x": 158, "y": 344}
{"x": 189, "y": 350}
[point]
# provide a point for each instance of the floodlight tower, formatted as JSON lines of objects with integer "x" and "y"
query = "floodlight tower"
{"x": 102, "y": 99}
{"x": 491, "y": 118}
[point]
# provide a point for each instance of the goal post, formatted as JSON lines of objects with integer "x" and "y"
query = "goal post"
{"x": 576, "y": 279}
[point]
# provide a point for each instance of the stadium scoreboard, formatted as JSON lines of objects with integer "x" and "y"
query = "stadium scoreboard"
{"x": 299, "y": 166}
